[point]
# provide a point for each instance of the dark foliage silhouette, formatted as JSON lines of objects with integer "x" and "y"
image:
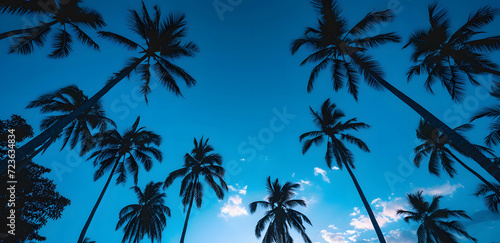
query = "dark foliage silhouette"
{"x": 280, "y": 215}
{"x": 492, "y": 111}
{"x": 335, "y": 132}
{"x": 146, "y": 218}
{"x": 438, "y": 148}
{"x": 122, "y": 154}
{"x": 433, "y": 225}
{"x": 491, "y": 198}
{"x": 37, "y": 200}
{"x": 62, "y": 102}
{"x": 201, "y": 163}
{"x": 68, "y": 14}
{"x": 453, "y": 58}
{"x": 334, "y": 44}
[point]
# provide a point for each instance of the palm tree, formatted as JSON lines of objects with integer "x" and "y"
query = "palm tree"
{"x": 345, "y": 49}
{"x": 453, "y": 58}
{"x": 148, "y": 217}
{"x": 437, "y": 146}
{"x": 164, "y": 43}
{"x": 331, "y": 128}
{"x": 65, "y": 101}
{"x": 492, "y": 111}
{"x": 280, "y": 216}
{"x": 433, "y": 227}
{"x": 492, "y": 200}
{"x": 121, "y": 154}
{"x": 201, "y": 163}
{"x": 68, "y": 14}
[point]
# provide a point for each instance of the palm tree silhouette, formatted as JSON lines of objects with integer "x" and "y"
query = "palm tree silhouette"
{"x": 327, "y": 120}
{"x": 164, "y": 43}
{"x": 436, "y": 147}
{"x": 280, "y": 216}
{"x": 491, "y": 198}
{"x": 148, "y": 217}
{"x": 121, "y": 154}
{"x": 201, "y": 163}
{"x": 65, "y": 101}
{"x": 433, "y": 227}
{"x": 492, "y": 111}
{"x": 68, "y": 14}
{"x": 453, "y": 58}
{"x": 345, "y": 49}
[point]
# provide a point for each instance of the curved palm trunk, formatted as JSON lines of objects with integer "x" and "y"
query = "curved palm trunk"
{"x": 87, "y": 224}
{"x": 494, "y": 188}
{"x": 29, "y": 147}
{"x": 367, "y": 206}
{"x": 26, "y": 30}
{"x": 187, "y": 215}
{"x": 456, "y": 138}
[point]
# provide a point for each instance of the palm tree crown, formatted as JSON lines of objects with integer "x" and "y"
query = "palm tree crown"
{"x": 453, "y": 58}
{"x": 280, "y": 215}
{"x": 65, "y": 101}
{"x": 68, "y": 14}
{"x": 342, "y": 48}
{"x": 491, "y": 198}
{"x": 146, "y": 218}
{"x": 433, "y": 225}
{"x": 493, "y": 111}
{"x": 331, "y": 128}
{"x": 437, "y": 146}
{"x": 163, "y": 43}
{"x": 125, "y": 151}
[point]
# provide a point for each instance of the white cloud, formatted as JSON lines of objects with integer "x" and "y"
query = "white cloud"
{"x": 303, "y": 184}
{"x": 242, "y": 159}
{"x": 443, "y": 190}
{"x": 319, "y": 171}
{"x": 242, "y": 191}
{"x": 335, "y": 168}
{"x": 387, "y": 213}
{"x": 332, "y": 226}
{"x": 401, "y": 236}
{"x": 309, "y": 201}
{"x": 356, "y": 211}
{"x": 233, "y": 208}
{"x": 332, "y": 238}
{"x": 293, "y": 174}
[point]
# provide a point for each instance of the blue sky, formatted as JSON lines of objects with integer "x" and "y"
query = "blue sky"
{"x": 247, "y": 79}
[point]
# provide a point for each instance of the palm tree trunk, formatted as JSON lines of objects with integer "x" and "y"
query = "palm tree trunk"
{"x": 284, "y": 239}
{"x": 188, "y": 213}
{"x": 494, "y": 188}
{"x": 367, "y": 205}
{"x": 55, "y": 129}
{"x": 26, "y": 30}
{"x": 87, "y": 224}
{"x": 456, "y": 138}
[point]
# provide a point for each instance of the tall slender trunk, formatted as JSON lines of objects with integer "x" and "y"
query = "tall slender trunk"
{"x": 494, "y": 188}
{"x": 188, "y": 213}
{"x": 34, "y": 143}
{"x": 367, "y": 205}
{"x": 284, "y": 238}
{"x": 456, "y": 138}
{"x": 26, "y": 30}
{"x": 87, "y": 224}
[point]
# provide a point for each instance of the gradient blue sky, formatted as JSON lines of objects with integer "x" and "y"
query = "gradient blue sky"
{"x": 245, "y": 74}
